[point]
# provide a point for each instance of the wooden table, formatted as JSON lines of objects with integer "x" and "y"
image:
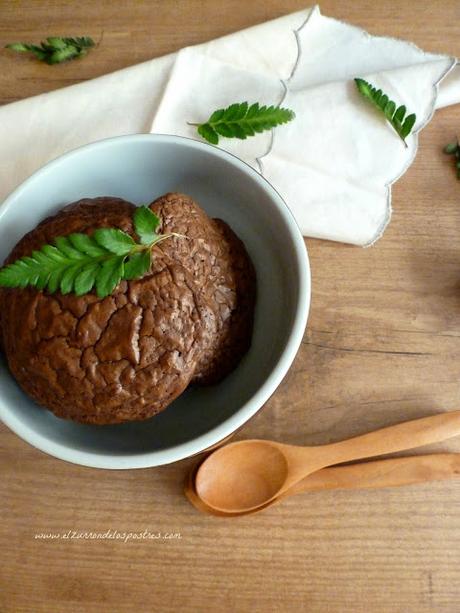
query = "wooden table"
{"x": 382, "y": 346}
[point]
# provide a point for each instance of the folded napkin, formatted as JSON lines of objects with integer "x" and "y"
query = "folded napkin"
{"x": 334, "y": 164}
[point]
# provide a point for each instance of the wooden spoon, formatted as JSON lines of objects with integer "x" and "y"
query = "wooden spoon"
{"x": 393, "y": 472}
{"x": 246, "y": 475}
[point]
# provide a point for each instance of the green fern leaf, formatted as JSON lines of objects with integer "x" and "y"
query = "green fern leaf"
{"x": 239, "y": 120}
{"x": 56, "y": 49}
{"x": 395, "y": 116}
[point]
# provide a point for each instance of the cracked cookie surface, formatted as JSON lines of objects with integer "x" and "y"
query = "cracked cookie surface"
{"x": 128, "y": 356}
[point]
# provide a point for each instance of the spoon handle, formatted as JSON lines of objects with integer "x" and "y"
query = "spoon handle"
{"x": 392, "y": 472}
{"x": 407, "y": 435}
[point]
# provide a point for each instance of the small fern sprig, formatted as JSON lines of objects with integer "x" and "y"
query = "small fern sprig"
{"x": 56, "y": 49}
{"x": 240, "y": 120}
{"x": 454, "y": 149}
{"x": 79, "y": 262}
{"x": 395, "y": 116}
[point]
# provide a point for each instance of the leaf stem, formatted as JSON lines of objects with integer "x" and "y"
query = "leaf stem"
{"x": 100, "y": 39}
{"x": 403, "y": 139}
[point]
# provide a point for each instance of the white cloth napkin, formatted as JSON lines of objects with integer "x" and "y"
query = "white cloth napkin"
{"x": 334, "y": 164}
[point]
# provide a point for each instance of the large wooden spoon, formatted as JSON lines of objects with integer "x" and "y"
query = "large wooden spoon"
{"x": 246, "y": 475}
{"x": 394, "y": 472}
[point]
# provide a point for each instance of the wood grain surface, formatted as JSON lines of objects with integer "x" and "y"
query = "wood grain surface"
{"x": 382, "y": 346}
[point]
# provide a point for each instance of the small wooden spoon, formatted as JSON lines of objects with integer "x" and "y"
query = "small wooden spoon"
{"x": 393, "y": 472}
{"x": 246, "y": 475}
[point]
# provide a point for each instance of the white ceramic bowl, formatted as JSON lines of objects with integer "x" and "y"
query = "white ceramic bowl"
{"x": 140, "y": 168}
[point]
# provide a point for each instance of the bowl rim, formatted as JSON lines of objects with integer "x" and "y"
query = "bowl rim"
{"x": 233, "y": 423}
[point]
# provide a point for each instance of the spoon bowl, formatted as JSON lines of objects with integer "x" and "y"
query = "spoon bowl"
{"x": 243, "y": 475}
